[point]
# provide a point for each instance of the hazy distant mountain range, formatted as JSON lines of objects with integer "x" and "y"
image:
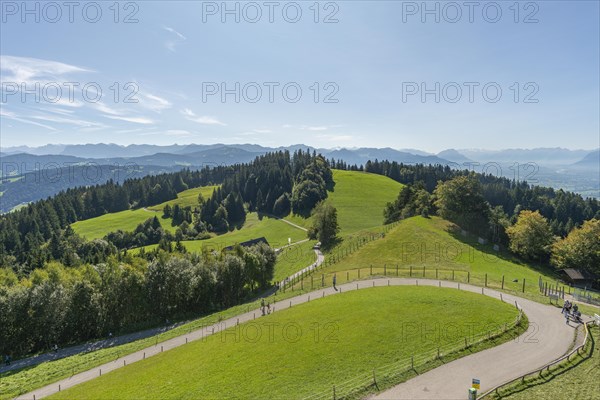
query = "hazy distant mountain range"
{"x": 575, "y": 170}
{"x": 545, "y": 156}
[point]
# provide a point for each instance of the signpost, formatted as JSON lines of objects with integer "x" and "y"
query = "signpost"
{"x": 475, "y": 385}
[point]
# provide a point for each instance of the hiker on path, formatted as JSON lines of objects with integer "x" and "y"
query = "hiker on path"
{"x": 262, "y": 306}
{"x": 334, "y": 281}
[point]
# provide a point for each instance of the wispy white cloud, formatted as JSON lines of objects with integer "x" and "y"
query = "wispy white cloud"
{"x": 154, "y": 103}
{"x": 12, "y": 116}
{"x": 135, "y": 120}
{"x": 100, "y": 106}
{"x": 261, "y": 130}
{"x": 25, "y": 69}
{"x": 69, "y": 121}
{"x": 121, "y": 115}
{"x": 204, "y": 119}
{"x": 66, "y": 102}
{"x": 172, "y": 43}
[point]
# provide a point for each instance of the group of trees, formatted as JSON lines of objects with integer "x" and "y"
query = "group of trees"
{"x": 412, "y": 200}
{"x": 61, "y": 305}
{"x": 531, "y": 237}
{"x": 219, "y": 213}
{"x": 310, "y": 186}
{"x": 526, "y": 232}
{"x": 324, "y": 224}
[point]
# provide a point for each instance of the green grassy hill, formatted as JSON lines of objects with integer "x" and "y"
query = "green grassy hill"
{"x": 434, "y": 243}
{"x": 360, "y": 198}
{"x": 333, "y": 340}
{"x": 127, "y": 220}
{"x": 187, "y": 198}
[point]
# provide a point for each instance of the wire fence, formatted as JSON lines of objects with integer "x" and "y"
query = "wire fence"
{"x": 587, "y": 296}
{"x": 393, "y": 373}
{"x": 319, "y": 277}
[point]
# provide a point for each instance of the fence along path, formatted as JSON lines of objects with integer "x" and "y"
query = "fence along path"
{"x": 493, "y": 366}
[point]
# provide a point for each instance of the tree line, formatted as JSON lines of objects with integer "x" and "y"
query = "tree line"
{"x": 61, "y": 305}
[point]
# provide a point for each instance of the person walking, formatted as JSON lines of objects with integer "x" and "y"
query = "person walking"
{"x": 334, "y": 281}
{"x": 565, "y": 306}
{"x": 262, "y": 306}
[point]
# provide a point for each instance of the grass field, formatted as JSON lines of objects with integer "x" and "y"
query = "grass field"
{"x": 578, "y": 379}
{"x": 275, "y": 231}
{"x": 187, "y": 198}
{"x": 127, "y": 220}
{"x": 360, "y": 198}
{"x": 332, "y": 340}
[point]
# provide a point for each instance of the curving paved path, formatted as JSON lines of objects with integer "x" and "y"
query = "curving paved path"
{"x": 547, "y": 339}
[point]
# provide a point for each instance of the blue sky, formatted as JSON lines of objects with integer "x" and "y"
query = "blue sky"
{"x": 370, "y": 68}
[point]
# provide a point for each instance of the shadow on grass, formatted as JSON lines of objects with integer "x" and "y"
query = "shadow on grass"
{"x": 470, "y": 240}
